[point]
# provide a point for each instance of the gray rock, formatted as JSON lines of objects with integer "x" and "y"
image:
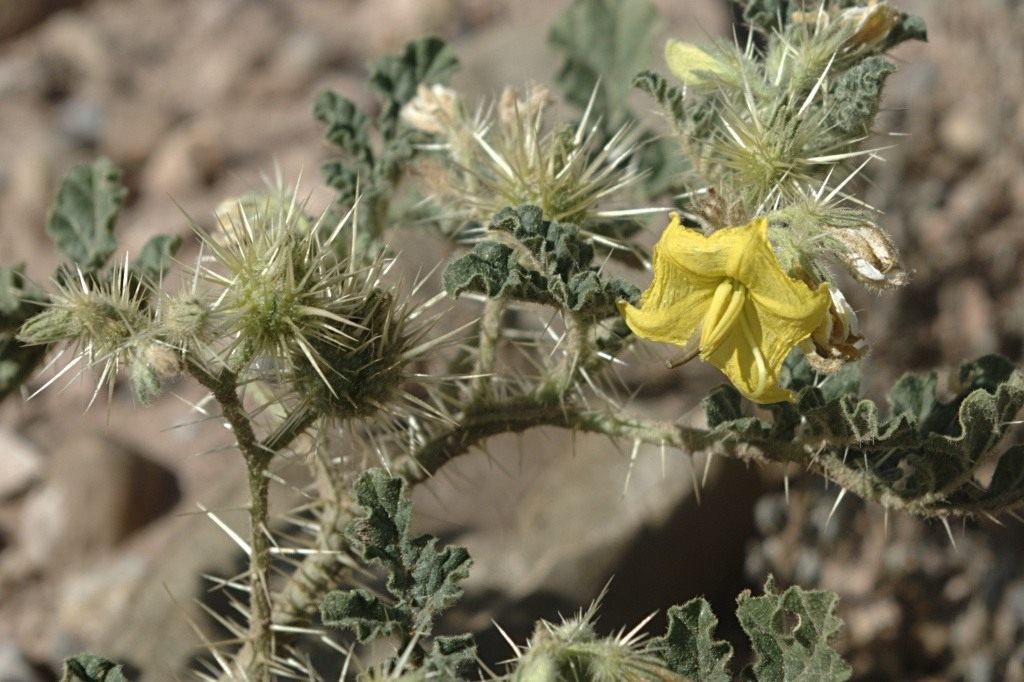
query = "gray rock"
{"x": 82, "y": 121}
{"x": 133, "y": 132}
{"x": 189, "y": 158}
{"x": 20, "y": 464}
{"x": 14, "y": 667}
{"x": 98, "y": 493}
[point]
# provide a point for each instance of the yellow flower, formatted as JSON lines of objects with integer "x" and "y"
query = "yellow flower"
{"x": 730, "y": 285}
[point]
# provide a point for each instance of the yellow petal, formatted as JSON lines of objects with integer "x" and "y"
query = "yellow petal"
{"x": 741, "y": 358}
{"x": 688, "y": 62}
{"x": 675, "y": 304}
{"x": 702, "y": 260}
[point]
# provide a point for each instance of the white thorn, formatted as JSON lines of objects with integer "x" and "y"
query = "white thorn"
{"x": 839, "y": 498}
{"x": 949, "y": 532}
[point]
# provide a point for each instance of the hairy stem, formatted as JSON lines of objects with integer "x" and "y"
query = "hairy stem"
{"x": 257, "y": 458}
{"x": 562, "y": 378}
{"x": 487, "y": 347}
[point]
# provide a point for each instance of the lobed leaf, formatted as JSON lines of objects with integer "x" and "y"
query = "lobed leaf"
{"x": 790, "y": 634}
{"x": 91, "y": 668}
{"x": 423, "y": 579}
{"x": 81, "y": 220}
{"x": 528, "y": 258}
{"x": 689, "y": 647}
{"x": 362, "y": 613}
{"x": 924, "y": 455}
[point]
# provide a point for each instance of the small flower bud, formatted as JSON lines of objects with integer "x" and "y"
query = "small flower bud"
{"x": 51, "y": 325}
{"x": 870, "y": 25}
{"x": 511, "y": 109}
{"x": 870, "y": 256}
{"x": 163, "y": 360}
{"x": 434, "y": 109}
{"x": 148, "y": 366}
{"x": 184, "y": 318}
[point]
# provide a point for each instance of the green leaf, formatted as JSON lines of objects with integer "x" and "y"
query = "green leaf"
{"x": 18, "y": 303}
{"x": 528, "y": 258}
{"x": 910, "y": 27}
{"x": 423, "y": 578}
{"x": 856, "y": 98}
{"x": 689, "y": 647}
{"x": 668, "y": 96}
{"x": 723, "y": 405}
{"x": 91, "y": 668}
{"x": 81, "y": 220}
{"x": 155, "y": 259}
{"x": 607, "y": 41}
{"x": 790, "y": 634}
{"x": 346, "y": 126}
{"x": 451, "y": 657}
{"x": 365, "y": 615}
{"x": 396, "y": 77}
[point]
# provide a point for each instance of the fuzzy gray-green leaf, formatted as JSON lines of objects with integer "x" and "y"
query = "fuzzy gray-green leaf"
{"x": 81, "y": 220}
{"x": 689, "y": 647}
{"x": 547, "y": 262}
{"x": 451, "y": 656}
{"x": 857, "y": 96}
{"x": 345, "y": 125}
{"x": 424, "y": 579}
{"x": 791, "y": 635}
{"x": 92, "y": 668}
{"x": 363, "y": 614}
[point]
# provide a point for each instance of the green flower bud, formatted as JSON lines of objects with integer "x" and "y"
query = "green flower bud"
{"x": 184, "y": 318}
{"x": 51, "y": 325}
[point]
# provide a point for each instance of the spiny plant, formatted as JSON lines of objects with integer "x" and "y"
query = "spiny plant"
{"x": 313, "y": 354}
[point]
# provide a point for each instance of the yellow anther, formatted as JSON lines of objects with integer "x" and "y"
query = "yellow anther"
{"x": 759, "y": 363}
{"x": 724, "y": 317}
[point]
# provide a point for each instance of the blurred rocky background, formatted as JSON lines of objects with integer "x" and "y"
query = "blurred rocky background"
{"x": 102, "y": 544}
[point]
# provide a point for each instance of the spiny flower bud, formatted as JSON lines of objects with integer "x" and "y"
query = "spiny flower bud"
{"x": 363, "y": 374}
{"x": 52, "y": 325}
{"x": 104, "y": 320}
{"x": 102, "y": 316}
{"x": 184, "y": 319}
{"x": 509, "y": 156}
{"x": 254, "y": 205}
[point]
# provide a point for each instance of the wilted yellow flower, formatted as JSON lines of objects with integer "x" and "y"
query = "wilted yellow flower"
{"x": 730, "y": 285}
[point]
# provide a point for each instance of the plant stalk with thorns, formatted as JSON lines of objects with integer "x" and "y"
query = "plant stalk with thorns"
{"x": 313, "y": 353}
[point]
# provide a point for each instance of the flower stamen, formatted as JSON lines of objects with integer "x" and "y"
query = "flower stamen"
{"x": 759, "y": 363}
{"x": 722, "y": 321}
